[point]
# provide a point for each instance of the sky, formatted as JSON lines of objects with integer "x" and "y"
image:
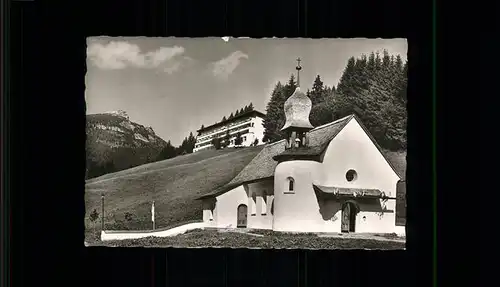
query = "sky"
{"x": 175, "y": 85}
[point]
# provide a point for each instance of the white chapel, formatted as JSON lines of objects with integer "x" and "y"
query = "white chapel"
{"x": 330, "y": 178}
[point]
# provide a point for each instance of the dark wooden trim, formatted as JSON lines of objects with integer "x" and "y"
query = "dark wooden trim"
{"x": 289, "y": 157}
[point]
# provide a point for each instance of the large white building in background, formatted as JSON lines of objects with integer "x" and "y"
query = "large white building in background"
{"x": 248, "y": 124}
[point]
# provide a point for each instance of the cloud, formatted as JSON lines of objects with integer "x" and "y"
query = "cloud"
{"x": 119, "y": 54}
{"x": 225, "y": 67}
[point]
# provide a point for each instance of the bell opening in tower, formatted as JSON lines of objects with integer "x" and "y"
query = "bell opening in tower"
{"x": 296, "y": 138}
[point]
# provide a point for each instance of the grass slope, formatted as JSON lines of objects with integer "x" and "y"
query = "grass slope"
{"x": 173, "y": 184}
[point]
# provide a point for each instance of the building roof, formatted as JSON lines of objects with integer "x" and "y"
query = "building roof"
{"x": 297, "y": 109}
{"x": 263, "y": 164}
{"x": 242, "y": 115}
{"x": 318, "y": 139}
{"x": 261, "y": 167}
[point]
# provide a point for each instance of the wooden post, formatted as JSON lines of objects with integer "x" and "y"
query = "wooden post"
{"x": 102, "y": 212}
{"x": 292, "y": 140}
{"x": 153, "y": 214}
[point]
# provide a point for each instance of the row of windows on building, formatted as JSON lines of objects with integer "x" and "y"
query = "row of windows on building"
{"x": 265, "y": 204}
{"x": 207, "y": 143}
{"x": 224, "y": 131}
{"x": 244, "y": 138}
{"x": 224, "y": 127}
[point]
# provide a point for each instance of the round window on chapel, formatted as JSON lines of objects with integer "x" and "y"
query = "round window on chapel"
{"x": 351, "y": 175}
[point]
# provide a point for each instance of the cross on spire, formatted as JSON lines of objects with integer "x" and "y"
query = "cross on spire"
{"x": 298, "y": 68}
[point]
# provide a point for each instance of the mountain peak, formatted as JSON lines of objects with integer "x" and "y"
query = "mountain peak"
{"x": 120, "y": 113}
{"x": 115, "y": 143}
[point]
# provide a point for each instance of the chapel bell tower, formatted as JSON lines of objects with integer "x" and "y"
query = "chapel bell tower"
{"x": 297, "y": 109}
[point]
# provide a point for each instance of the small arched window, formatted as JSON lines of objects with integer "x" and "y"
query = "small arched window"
{"x": 291, "y": 185}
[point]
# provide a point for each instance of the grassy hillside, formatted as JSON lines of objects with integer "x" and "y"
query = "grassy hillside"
{"x": 173, "y": 184}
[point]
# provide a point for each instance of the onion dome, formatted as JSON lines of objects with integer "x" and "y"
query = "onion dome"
{"x": 297, "y": 109}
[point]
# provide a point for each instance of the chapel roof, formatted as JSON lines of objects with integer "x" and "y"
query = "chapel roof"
{"x": 262, "y": 166}
{"x": 318, "y": 139}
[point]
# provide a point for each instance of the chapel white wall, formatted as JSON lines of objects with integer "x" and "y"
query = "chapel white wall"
{"x": 298, "y": 211}
{"x": 353, "y": 149}
{"x": 226, "y": 210}
{"x": 261, "y": 196}
{"x": 225, "y": 213}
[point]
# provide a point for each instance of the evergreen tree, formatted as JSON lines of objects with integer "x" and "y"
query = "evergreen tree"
{"x": 378, "y": 62}
{"x": 321, "y": 114}
{"x": 226, "y": 140}
{"x": 371, "y": 62}
{"x": 167, "y": 152}
{"x": 346, "y": 82}
{"x": 202, "y": 127}
{"x": 241, "y": 111}
{"x": 190, "y": 143}
{"x": 318, "y": 92}
{"x": 94, "y": 215}
{"x": 399, "y": 64}
{"x": 290, "y": 87}
{"x": 274, "y": 111}
{"x": 224, "y": 118}
{"x": 109, "y": 167}
{"x": 250, "y": 107}
{"x": 216, "y": 142}
{"x": 183, "y": 148}
{"x": 238, "y": 140}
{"x": 237, "y": 113}
{"x": 386, "y": 60}
{"x": 245, "y": 109}
{"x": 231, "y": 116}
{"x": 376, "y": 99}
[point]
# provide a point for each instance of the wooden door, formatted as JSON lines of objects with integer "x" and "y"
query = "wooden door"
{"x": 242, "y": 216}
{"x": 346, "y": 216}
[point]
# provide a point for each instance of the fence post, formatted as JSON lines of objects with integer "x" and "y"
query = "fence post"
{"x": 153, "y": 214}
{"x": 102, "y": 212}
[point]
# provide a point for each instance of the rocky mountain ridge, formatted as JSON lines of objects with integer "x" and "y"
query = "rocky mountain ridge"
{"x": 115, "y": 143}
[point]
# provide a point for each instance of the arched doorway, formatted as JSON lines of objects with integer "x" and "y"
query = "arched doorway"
{"x": 242, "y": 216}
{"x": 348, "y": 223}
